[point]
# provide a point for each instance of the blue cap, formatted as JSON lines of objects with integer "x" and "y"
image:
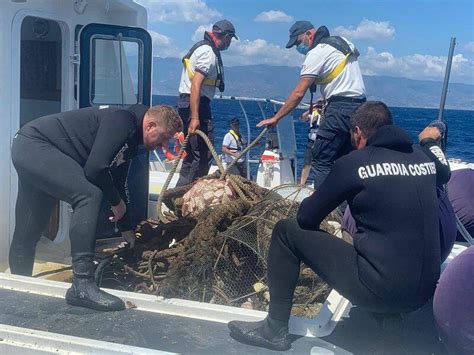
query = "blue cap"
{"x": 298, "y": 28}
{"x": 224, "y": 26}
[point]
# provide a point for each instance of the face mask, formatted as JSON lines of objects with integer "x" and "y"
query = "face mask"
{"x": 302, "y": 48}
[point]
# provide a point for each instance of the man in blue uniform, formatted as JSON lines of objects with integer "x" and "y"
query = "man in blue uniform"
{"x": 330, "y": 62}
{"x": 202, "y": 73}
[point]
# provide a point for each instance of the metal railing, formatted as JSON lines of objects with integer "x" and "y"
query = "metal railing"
{"x": 262, "y": 104}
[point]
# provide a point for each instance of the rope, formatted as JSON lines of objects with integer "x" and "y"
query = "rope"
{"x": 233, "y": 180}
{"x": 168, "y": 180}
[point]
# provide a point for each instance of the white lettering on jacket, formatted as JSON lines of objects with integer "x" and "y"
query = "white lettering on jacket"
{"x": 393, "y": 169}
{"x": 119, "y": 157}
{"x": 439, "y": 154}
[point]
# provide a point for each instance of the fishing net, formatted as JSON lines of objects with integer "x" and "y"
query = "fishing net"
{"x": 218, "y": 255}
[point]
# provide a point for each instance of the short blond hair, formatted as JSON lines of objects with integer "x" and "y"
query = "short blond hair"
{"x": 166, "y": 115}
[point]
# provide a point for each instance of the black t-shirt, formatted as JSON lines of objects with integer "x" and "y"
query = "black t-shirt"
{"x": 99, "y": 140}
{"x": 390, "y": 186}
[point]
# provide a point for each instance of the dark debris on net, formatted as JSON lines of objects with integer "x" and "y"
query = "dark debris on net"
{"x": 217, "y": 257}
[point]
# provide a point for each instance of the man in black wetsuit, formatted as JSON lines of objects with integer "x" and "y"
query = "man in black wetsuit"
{"x": 394, "y": 264}
{"x": 70, "y": 156}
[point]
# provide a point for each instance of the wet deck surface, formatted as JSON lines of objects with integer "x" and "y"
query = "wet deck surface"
{"x": 355, "y": 334}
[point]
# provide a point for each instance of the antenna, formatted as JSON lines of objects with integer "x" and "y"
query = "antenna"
{"x": 446, "y": 79}
{"x": 445, "y": 91}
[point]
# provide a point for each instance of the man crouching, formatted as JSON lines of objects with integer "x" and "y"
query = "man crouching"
{"x": 394, "y": 264}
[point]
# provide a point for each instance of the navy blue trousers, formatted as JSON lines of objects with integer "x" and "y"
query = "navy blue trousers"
{"x": 333, "y": 139}
{"x": 198, "y": 158}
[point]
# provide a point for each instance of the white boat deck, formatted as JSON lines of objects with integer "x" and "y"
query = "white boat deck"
{"x": 36, "y": 319}
{"x": 33, "y": 322}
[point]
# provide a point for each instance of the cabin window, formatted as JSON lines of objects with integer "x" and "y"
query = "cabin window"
{"x": 40, "y": 68}
{"x": 114, "y": 72}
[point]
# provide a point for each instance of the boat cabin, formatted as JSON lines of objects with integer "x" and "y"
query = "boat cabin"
{"x": 62, "y": 55}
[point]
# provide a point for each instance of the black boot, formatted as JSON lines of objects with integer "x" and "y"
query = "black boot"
{"x": 268, "y": 333}
{"x": 84, "y": 292}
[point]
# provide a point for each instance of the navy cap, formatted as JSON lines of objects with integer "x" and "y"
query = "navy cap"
{"x": 298, "y": 28}
{"x": 235, "y": 121}
{"x": 224, "y": 26}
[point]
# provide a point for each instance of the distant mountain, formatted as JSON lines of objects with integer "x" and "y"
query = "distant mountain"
{"x": 277, "y": 81}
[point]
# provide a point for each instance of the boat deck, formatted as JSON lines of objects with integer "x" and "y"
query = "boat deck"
{"x": 354, "y": 334}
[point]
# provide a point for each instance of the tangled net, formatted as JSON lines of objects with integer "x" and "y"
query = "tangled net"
{"x": 219, "y": 255}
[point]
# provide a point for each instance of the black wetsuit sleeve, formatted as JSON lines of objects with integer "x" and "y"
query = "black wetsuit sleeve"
{"x": 113, "y": 132}
{"x": 434, "y": 152}
{"x": 120, "y": 177}
{"x": 341, "y": 184}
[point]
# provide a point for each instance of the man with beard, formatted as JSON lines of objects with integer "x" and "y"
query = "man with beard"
{"x": 71, "y": 156}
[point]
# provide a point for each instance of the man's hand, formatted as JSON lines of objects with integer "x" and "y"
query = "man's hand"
{"x": 290, "y": 103}
{"x": 272, "y": 121}
{"x": 193, "y": 126}
{"x": 129, "y": 237}
{"x": 430, "y": 132}
{"x": 304, "y": 116}
{"x": 118, "y": 211}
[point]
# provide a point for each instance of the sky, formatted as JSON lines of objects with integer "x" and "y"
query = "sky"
{"x": 404, "y": 38}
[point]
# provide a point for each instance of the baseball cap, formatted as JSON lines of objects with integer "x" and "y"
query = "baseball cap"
{"x": 298, "y": 28}
{"x": 224, "y": 26}
{"x": 235, "y": 121}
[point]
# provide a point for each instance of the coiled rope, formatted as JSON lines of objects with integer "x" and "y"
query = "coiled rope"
{"x": 235, "y": 181}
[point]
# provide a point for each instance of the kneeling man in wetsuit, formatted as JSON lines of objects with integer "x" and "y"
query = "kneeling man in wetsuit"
{"x": 394, "y": 264}
{"x": 69, "y": 156}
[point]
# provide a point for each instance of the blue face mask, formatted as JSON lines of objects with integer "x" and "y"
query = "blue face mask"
{"x": 302, "y": 48}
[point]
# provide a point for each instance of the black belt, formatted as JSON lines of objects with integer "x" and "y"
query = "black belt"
{"x": 355, "y": 100}
{"x": 202, "y": 98}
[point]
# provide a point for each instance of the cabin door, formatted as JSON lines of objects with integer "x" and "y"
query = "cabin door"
{"x": 115, "y": 70}
{"x": 41, "y": 70}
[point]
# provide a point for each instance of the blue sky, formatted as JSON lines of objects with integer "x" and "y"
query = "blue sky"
{"x": 397, "y": 38}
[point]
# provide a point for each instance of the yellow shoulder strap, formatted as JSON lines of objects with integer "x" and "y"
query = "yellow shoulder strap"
{"x": 190, "y": 72}
{"x": 235, "y": 135}
{"x": 336, "y": 71}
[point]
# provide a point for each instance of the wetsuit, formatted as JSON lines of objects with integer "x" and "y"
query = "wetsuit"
{"x": 394, "y": 264}
{"x": 71, "y": 156}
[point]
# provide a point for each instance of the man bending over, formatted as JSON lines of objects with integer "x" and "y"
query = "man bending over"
{"x": 68, "y": 156}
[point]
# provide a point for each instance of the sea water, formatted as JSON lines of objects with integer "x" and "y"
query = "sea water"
{"x": 460, "y": 125}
